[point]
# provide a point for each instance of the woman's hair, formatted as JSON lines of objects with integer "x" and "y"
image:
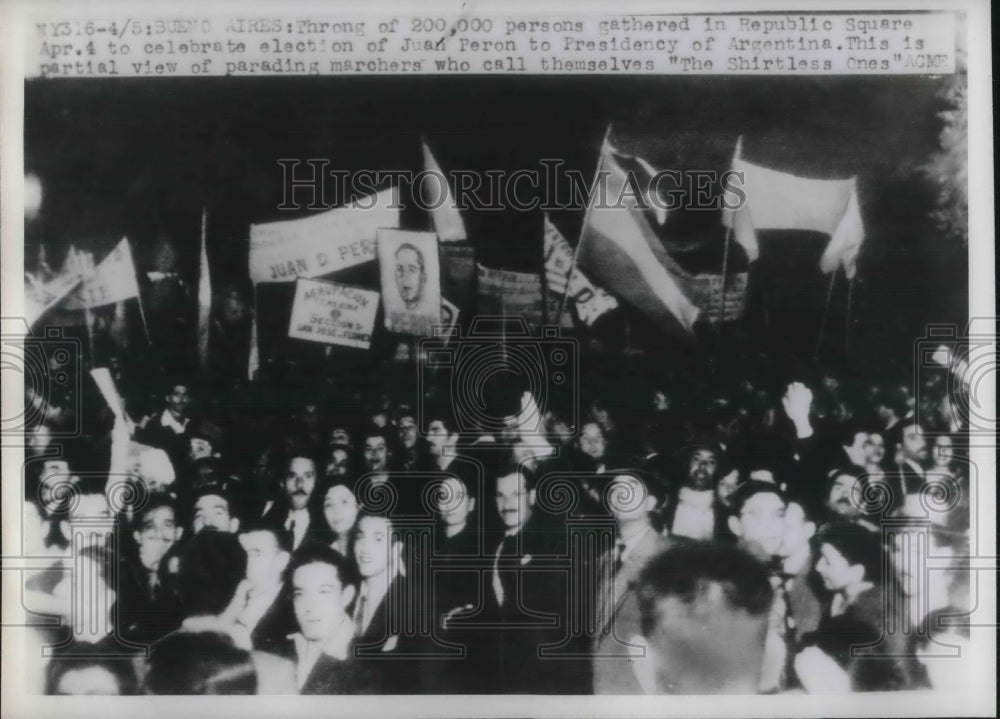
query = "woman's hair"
{"x": 200, "y": 663}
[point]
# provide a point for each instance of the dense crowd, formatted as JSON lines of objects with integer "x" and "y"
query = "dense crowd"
{"x": 753, "y": 534}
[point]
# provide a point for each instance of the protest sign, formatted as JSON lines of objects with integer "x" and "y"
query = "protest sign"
{"x": 334, "y": 314}
{"x": 411, "y": 281}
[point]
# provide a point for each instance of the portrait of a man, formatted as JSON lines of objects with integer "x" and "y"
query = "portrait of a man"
{"x": 410, "y": 275}
{"x": 411, "y": 280}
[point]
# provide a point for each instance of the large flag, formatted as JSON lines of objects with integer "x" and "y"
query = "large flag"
{"x": 204, "y": 300}
{"x": 436, "y": 193}
{"x": 619, "y": 248}
{"x": 112, "y": 281}
{"x": 563, "y": 278}
{"x": 781, "y": 201}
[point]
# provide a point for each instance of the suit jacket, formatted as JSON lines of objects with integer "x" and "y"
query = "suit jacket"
{"x": 277, "y": 515}
{"x": 618, "y": 616}
{"x": 271, "y": 632}
{"x": 387, "y": 649}
{"x": 337, "y": 676}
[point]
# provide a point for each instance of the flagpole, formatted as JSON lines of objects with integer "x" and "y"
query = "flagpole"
{"x": 826, "y": 311}
{"x": 586, "y": 219}
{"x": 847, "y": 324}
{"x": 142, "y": 315}
{"x": 722, "y": 293}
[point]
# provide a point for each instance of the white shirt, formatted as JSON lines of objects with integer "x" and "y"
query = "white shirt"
{"x": 167, "y": 420}
{"x": 497, "y": 584}
{"x": 695, "y": 514}
{"x": 307, "y": 653}
{"x": 299, "y": 518}
{"x": 632, "y": 541}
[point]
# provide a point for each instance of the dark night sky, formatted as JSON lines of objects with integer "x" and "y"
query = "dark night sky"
{"x": 141, "y": 158}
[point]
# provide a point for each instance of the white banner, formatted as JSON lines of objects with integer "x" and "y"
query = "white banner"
{"x": 333, "y": 314}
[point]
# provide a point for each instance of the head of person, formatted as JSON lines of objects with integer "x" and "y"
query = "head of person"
{"x": 874, "y": 448}
{"x": 701, "y": 471}
{"x": 799, "y": 531}
{"x": 203, "y": 663}
{"x": 323, "y": 585}
{"x": 890, "y": 403}
{"x": 453, "y": 502}
{"x": 703, "y": 612}
{"x": 300, "y": 477}
{"x": 758, "y": 518}
{"x": 155, "y": 531}
{"x": 377, "y": 449}
{"x": 633, "y": 496}
{"x": 377, "y": 548}
{"x": 944, "y": 451}
{"x": 211, "y": 567}
{"x": 178, "y": 399}
{"x": 911, "y": 545}
{"x": 55, "y": 484}
{"x": 410, "y": 274}
{"x": 592, "y": 441}
{"x": 341, "y": 437}
{"x": 338, "y": 465}
{"x": 213, "y": 508}
{"x": 90, "y": 676}
{"x": 206, "y": 472}
{"x": 847, "y": 555}
{"x": 843, "y": 498}
{"x": 204, "y": 440}
{"x": 269, "y": 549}
{"x": 515, "y": 496}
{"x": 910, "y": 442}
{"x": 442, "y": 436}
{"x": 340, "y": 508}
{"x": 406, "y": 426}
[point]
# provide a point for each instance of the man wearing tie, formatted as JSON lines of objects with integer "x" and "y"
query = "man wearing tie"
{"x": 295, "y": 513}
{"x": 632, "y": 498}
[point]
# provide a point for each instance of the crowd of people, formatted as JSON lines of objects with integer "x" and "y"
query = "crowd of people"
{"x": 724, "y": 535}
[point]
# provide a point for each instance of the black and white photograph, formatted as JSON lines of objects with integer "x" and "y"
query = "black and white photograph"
{"x": 543, "y": 361}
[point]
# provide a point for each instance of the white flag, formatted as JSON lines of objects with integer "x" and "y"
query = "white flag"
{"x": 204, "y": 300}
{"x": 436, "y": 193}
{"x": 591, "y": 301}
{"x": 112, "y": 281}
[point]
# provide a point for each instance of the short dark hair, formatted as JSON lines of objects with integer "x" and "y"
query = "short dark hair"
{"x": 282, "y": 536}
{"x": 685, "y": 571}
{"x": 751, "y": 488}
{"x": 212, "y": 565}
{"x": 157, "y": 501}
{"x": 120, "y": 668}
{"x": 857, "y": 544}
{"x": 412, "y": 247}
{"x": 654, "y": 487}
{"x": 215, "y": 490}
{"x": 316, "y": 553}
{"x": 200, "y": 663}
{"x": 511, "y": 467}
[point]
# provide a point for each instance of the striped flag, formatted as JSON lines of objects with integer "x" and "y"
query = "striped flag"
{"x": 781, "y": 201}
{"x": 620, "y": 249}
{"x": 563, "y": 278}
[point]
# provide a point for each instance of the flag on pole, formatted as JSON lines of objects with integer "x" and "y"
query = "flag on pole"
{"x": 436, "y": 193}
{"x": 781, "y": 201}
{"x": 620, "y": 249}
{"x": 563, "y": 278}
{"x": 204, "y": 300}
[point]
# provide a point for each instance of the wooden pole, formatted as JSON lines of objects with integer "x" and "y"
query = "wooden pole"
{"x": 826, "y": 311}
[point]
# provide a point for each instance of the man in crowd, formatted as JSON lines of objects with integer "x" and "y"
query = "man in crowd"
{"x": 693, "y": 511}
{"x": 295, "y": 511}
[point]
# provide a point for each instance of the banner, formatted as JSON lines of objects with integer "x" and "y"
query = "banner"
{"x": 504, "y": 292}
{"x": 781, "y": 201}
{"x": 411, "y": 281}
{"x": 112, "y": 281}
{"x": 706, "y": 292}
{"x": 458, "y": 272}
{"x": 589, "y": 300}
{"x": 40, "y": 297}
{"x": 324, "y": 243}
{"x": 333, "y": 314}
{"x": 436, "y": 194}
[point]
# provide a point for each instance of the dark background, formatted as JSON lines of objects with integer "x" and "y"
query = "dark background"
{"x": 141, "y": 159}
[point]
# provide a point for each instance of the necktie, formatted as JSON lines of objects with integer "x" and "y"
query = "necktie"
{"x": 497, "y": 584}
{"x": 619, "y": 553}
{"x": 359, "y": 616}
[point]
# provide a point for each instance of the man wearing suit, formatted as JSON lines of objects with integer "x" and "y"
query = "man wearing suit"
{"x": 633, "y": 497}
{"x": 295, "y": 513}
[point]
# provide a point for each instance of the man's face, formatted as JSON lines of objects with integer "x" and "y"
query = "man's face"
{"x": 50, "y": 489}
{"x": 514, "y": 501}
{"x": 834, "y": 569}
{"x": 157, "y": 534}
{"x": 438, "y": 437}
{"x": 874, "y": 448}
{"x": 179, "y": 400}
{"x": 199, "y": 448}
{"x": 211, "y": 510}
{"x": 339, "y": 463}
{"x": 407, "y": 432}
{"x": 628, "y": 498}
{"x": 914, "y": 444}
{"x": 318, "y": 598}
{"x": 376, "y": 454}
{"x": 453, "y": 502}
{"x": 762, "y": 524}
{"x": 943, "y": 451}
{"x": 410, "y": 276}
{"x": 798, "y": 530}
{"x": 265, "y": 559}
{"x": 340, "y": 507}
{"x": 372, "y": 546}
{"x": 702, "y": 469}
{"x": 840, "y": 500}
{"x": 300, "y": 480}
{"x": 592, "y": 441}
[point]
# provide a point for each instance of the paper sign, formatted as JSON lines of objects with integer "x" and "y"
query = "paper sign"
{"x": 508, "y": 293}
{"x": 411, "y": 281}
{"x": 333, "y": 314}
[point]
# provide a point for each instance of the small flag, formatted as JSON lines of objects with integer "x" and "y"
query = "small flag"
{"x": 436, "y": 193}
{"x": 112, "y": 281}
